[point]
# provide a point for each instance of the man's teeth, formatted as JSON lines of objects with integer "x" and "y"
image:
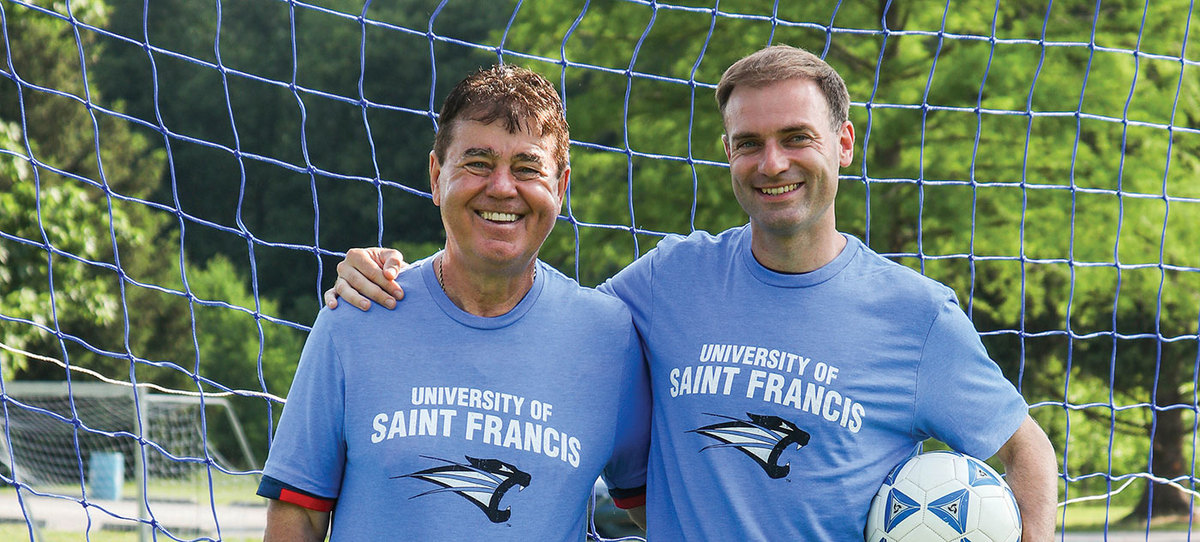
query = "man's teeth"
{"x": 780, "y": 190}
{"x": 498, "y": 217}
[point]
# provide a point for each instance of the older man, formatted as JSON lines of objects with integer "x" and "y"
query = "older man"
{"x": 474, "y": 410}
{"x": 791, "y": 366}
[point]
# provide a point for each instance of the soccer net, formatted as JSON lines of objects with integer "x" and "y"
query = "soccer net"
{"x": 177, "y": 179}
{"x": 131, "y": 456}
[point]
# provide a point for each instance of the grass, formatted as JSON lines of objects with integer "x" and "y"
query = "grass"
{"x": 1082, "y": 517}
{"x": 1097, "y": 518}
{"x": 227, "y": 491}
{"x": 1088, "y": 517}
{"x": 16, "y": 532}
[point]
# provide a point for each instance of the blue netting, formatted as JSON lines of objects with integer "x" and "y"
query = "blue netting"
{"x": 177, "y": 178}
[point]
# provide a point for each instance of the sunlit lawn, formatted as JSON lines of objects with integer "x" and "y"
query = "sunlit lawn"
{"x": 1080, "y": 519}
{"x": 1083, "y": 517}
{"x": 14, "y": 532}
{"x": 226, "y": 490}
{"x": 1095, "y": 517}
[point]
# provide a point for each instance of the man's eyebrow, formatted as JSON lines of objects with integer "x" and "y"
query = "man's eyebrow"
{"x": 791, "y": 129}
{"x": 479, "y": 152}
{"x": 797, "y": 128}
{"x": 527, "y": 157}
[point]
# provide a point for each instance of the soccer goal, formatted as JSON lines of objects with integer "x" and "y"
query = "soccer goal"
{"x": 132, "y": 460}
{"x": 179, "y": 177}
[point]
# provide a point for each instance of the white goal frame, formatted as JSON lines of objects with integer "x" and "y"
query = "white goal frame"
{"x": 17, "y": 393}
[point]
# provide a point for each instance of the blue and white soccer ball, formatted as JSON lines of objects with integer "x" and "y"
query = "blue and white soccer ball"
{"x": 943, "y": 497}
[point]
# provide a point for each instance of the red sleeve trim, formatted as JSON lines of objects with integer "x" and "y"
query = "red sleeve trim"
{"x": 630, "y": 502}
{"x": 311, "y": 503}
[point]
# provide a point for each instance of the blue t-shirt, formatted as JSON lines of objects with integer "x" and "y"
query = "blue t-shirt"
{"x": 781, "y": 401}
{"x": 430, "y": 423}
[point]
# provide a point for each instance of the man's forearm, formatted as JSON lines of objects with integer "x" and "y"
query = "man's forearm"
{"x": 1032, "y": 473}
{"x": 638, "y": 515}
{"x": 287, "y": 522}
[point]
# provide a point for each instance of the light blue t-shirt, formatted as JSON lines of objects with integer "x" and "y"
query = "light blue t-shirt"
{"x": 781, "y": 401}
{"x": 429, "y": 423}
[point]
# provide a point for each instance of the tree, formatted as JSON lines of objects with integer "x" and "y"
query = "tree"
{"x": 90, "y": 272}
{"x": 1075, "y": 213}
{"x": 1065, "y": 234}
{"x": 68, "y": 181}
{"x": 298, "y": 172}
{"x": 83, "y": 299}
{"x": 240, "y": 350}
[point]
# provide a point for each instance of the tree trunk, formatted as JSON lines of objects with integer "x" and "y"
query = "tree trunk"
{"x": 1161, "y": 501}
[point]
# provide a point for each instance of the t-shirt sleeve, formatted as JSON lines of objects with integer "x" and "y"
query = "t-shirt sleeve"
{"x": 625, "y": 473}
{"x": 633, "y": 286}
{"x": 308, "y": 453}
{"x": 963, "y": 398}
{"x": 275, "y": 489}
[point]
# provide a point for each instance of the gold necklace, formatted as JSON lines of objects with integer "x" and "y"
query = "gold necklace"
{"x": 442, "y": 282}
{"x": 439, "y": 274}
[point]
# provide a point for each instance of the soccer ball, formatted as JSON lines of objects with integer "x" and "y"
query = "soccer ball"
{"x": 943, "y": 497}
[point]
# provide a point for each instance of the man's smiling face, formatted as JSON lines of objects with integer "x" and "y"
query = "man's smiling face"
{"x": 784, "y": 156}
{"x": 499, "y": 193}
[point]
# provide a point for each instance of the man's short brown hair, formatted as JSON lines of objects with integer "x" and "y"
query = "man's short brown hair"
{"x": 518, "y": 97}
{"x": 782, "y": 63}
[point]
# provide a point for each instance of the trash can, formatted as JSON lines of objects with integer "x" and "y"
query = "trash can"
{"x": 106, "y": 475}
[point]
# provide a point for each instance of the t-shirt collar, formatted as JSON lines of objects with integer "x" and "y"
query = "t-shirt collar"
{"x": 796, "y": 280}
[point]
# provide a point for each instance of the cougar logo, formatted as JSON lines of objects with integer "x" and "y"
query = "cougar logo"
{"x": 483, "y": 482}
{"x": 762, "y": 438}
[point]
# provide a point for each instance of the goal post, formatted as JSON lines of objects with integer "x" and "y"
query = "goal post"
{"x": 143, "y": 457}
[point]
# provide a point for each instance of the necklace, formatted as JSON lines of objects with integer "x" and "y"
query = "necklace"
{"x": 439, "y": 274}
{"x": 442, "y": 282}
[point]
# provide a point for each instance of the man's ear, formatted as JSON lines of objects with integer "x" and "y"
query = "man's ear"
{"x": 564, "y": 181}
{"x": 435, "y": 170}
{"x": 846, "y": 144}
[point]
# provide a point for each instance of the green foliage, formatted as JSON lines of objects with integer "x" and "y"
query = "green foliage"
{"x": 1068, "y": 236}
{"x": 99, "y": 272}
{"x": 1045, "y": 181}
{"x": 298, "y": 166}
{"x": 1036, "y": 188}
{"x": 65, "y": 184}
{"x": 234, "y": 336}
{"x": 58, "y": 216}
{"x": 240, "y": 350}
